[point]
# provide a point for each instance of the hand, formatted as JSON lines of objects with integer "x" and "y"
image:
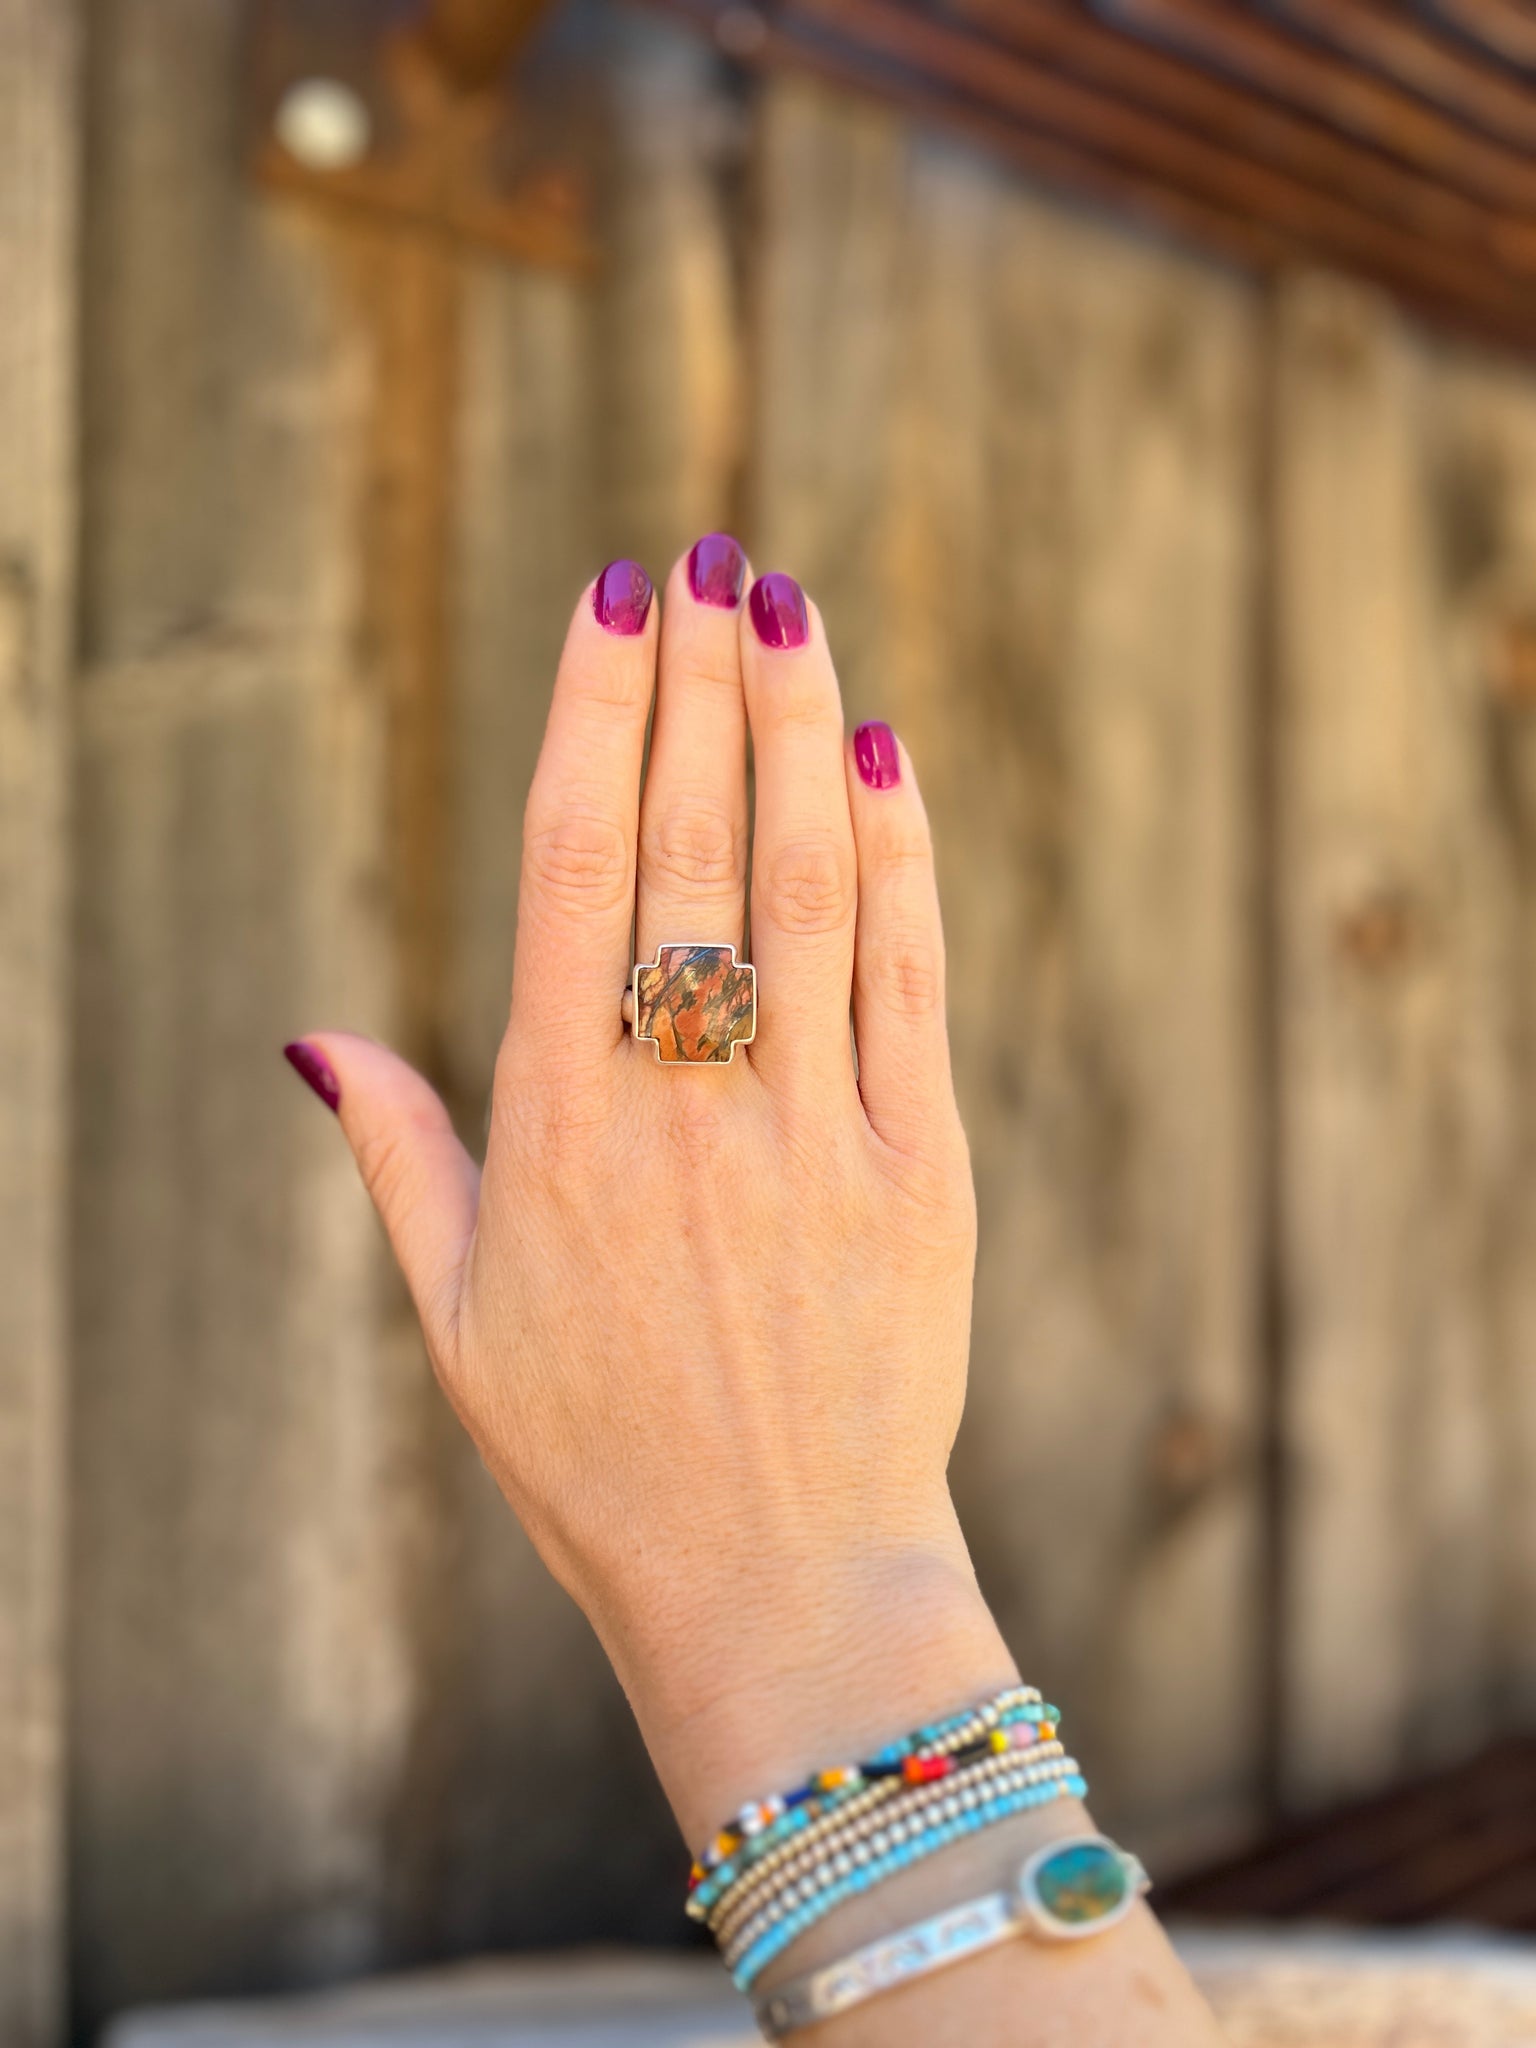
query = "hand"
{"x": 708, "y": 1325}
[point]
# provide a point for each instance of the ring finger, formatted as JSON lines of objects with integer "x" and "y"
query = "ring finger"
{"x": 693, "y": 811}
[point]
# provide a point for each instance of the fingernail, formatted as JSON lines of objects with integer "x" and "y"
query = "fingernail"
{"x": 621, "y": 598}
{"x": 778, "y": 611}
{"x": 716, "y": 571}
{"x": 313, "y": 1068}
{"x": 877, "y": 756}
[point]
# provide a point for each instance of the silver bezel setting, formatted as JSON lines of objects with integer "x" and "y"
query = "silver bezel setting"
{"x": 1041, "y": 1922}
{"x": 692, "y": 946}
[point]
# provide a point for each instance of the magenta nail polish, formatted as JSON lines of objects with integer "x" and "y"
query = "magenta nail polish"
{"x": 312, "y": 1067}
{"x": 621, "y": 598}
{"x": 716, "y": 571}
{"x": 777, "y": 605}
{"x": 876, "y": 756}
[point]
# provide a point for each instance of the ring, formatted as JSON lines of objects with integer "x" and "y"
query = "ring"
{"x": 695, "y": 1004}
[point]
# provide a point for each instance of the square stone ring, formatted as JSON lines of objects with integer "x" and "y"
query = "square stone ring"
{"x": 695, "y": 1003}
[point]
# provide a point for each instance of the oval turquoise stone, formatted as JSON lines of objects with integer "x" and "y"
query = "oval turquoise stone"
{"x": 1082, "y": 1882}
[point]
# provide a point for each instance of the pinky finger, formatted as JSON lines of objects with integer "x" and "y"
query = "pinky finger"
{"x": 898, "y": 973}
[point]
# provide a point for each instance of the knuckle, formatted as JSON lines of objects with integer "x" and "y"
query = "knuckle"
{"x": 578, "y": 858}
{"x": 908, "y": 974}
{"x": 617, "y": 684}
{"x": 810, "y": 886}
{"x": 905, "y": 855}
{"x": 805, "y": 705}
{"x": 701, "y": 669}
{"x": 697, "y": 844}
{"x": 937, "y": 1183}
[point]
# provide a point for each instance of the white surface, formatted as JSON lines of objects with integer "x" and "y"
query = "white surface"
{"x": 584, "y": 1999}
{"x": 1302, "y": 1988}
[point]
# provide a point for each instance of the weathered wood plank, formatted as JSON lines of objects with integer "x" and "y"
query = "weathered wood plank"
{"x": 39, "y": 124}
{"x": 593, "y": 422}
{"x": 162, "y": 218}
{"x": 1481, "y": 437}
{"x": 1012, "y": 455}
{"x": 1405, "y": 896}
{"x": 245, "y": 1479}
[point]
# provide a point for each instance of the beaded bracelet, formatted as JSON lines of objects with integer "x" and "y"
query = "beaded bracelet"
{"x": 753, "y": 1907}
{"x": 877, "y": 1831}
{"x": 762, "y": 1824}
{"x": 848, "y": 1829}
{"x": 758, "y": 1813}
{"x": 750, "y": 1964}
{"x": 875, "y": 1802}
{"x": 965, "y": 1746}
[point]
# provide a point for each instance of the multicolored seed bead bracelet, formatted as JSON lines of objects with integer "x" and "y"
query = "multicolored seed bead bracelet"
{"x": 870, "y": 1810}
{"x": 854, "y": 1840}
{"x": 762, "y": 1825}
{"x": 984, "y": 1813}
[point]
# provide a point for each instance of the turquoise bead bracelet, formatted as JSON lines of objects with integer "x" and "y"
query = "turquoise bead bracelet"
{"x": 750, "y": 1965}
{"x": 852, "y": 1839}
{"x": 762, "y": 1825}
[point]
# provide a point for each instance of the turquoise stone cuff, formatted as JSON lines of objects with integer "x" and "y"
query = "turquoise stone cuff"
{"x": 695, "y": 1004}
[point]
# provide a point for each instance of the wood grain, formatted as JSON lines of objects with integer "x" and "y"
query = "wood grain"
{"x": 39, "y": 124}
{"x": 247, "y": 1390}
{"x": 1406, "y": 900}
{"x": 1013, "y": 463}
{"x": 591, "y": 423}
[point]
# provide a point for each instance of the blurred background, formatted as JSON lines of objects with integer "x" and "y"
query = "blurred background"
{"x": 1146, "y": 390}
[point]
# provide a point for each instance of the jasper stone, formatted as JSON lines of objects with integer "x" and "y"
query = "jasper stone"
{"x": 1082, "y": 1882}
{"x": 698, "y": 1003}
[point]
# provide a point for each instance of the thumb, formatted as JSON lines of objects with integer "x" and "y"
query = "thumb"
{"x": 423, "y": 1183}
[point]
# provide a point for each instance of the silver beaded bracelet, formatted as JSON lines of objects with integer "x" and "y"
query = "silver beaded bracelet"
{"x": 1067, "y": 1891}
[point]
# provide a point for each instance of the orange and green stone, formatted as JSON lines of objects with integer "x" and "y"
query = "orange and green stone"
{"x": 696, "y": 1002}
{"x": 1081, "y": 1883}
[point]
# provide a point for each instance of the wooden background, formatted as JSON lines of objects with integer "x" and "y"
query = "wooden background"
{"x": 1208, "y": 610}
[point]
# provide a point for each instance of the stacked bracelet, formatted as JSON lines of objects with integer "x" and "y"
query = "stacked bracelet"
{"x": 811, "y": 1891}
{"x": 782, "y": 1864}
{"x": 864, "y": 1817}
{"x": 763, "y": 1825}
{"x": 984, "y": 1814}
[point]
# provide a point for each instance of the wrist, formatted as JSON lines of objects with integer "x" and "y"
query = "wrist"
{"x": 740, "y": 1697}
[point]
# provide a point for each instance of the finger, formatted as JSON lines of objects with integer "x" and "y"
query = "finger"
{"x": 577, "y": 895}
{"x": 898, "y": 966}
{"x": 423, "y": 1183}
{"x": 693, "y": 812}
{"x": 803, "y": 863}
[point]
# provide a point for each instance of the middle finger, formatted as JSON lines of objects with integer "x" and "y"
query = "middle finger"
{"x": 693, "y": 812}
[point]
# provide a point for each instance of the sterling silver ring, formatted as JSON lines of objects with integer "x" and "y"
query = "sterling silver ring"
{"x": 695, "y": 1003}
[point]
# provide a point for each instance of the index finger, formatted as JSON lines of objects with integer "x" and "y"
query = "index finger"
{"x": 576, "y": 898}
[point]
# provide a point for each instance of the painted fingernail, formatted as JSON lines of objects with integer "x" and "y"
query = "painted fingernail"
{"x": 313, "y": 1068}
{"x": 876, "y": 756}
{"x": 621, "y": 598}
{"x": 716, "y": 571}
{"x": 777, "y": 605}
